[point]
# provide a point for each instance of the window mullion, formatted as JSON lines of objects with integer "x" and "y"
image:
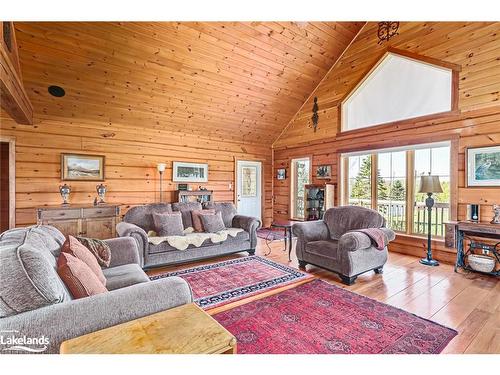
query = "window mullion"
{"x": 374, "y": 181}
{"x": 410, "y": 190}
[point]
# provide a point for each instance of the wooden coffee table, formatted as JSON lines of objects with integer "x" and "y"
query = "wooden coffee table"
{"x": 185, "y": 329}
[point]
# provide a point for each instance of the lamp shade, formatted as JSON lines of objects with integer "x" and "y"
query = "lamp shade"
{"x": 161, "y": 167}
{"x": 430, "y": 184}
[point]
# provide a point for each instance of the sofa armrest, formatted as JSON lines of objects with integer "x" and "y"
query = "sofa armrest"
{"x": 125, "y": 229}
{"x": 124, "y": 250}
{"x": 248, "y": 224}
{"x": 67, "y": 320}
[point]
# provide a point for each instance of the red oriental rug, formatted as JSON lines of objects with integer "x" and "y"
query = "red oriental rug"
{"x": 220, "y": 283}
{"x": 317, "y": 317}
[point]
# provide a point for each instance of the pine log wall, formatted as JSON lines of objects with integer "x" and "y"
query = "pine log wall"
{"x": 474, "y": 46}
{"x": 131, "y": 158}
{"x": 141, "y": 93}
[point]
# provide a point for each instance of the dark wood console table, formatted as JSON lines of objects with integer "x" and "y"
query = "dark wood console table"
{"x": 461, "y": 229}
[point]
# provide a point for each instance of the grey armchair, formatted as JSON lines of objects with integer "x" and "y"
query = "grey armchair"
{"x": 331, "y": 244}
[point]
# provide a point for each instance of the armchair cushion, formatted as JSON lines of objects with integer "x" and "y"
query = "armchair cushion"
{"x": 342, "y": 219}
{"x": 327, "y": 249}
{"x": 353, "y": 241}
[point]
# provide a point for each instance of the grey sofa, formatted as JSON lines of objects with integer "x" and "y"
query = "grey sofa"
{"x": 329, "y": 244}
{"x": 35, "y": 303}
{"x": 138, "y": 221}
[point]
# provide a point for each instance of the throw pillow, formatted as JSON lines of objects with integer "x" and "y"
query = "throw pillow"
{"x": 213, "y": 223}
{"x": 99, "y": 248}
{"x": 74, "y": 247}
{"x": 168, "y": 224}
{"x": 78, "y": 277}
{"x": 197, "y": 224}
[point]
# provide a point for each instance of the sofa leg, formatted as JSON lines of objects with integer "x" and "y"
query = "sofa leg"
{"x": 302, "y": 264}
{"x": 348, "y": 280}
{"x": 379, "y": 270}
{"x": 251, "y": 252}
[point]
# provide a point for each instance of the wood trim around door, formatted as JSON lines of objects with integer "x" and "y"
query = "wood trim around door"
{"x": 262, "y": 185}
{"x": 12, "y": 178}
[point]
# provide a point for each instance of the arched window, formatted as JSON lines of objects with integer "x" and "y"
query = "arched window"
{"x": 398, "y": 88}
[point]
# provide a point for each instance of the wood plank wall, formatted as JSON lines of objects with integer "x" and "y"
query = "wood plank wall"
{"x": 131, "y": 158}
{"x": 474, "y": 46}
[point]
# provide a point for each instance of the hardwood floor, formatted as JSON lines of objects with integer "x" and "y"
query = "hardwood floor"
{"x": 467, "y": 302}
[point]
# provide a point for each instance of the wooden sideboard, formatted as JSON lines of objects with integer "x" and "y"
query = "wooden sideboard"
{"x": 81, "y": 220}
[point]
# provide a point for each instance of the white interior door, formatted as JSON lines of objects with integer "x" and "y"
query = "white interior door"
{"x": 249, "y": 188}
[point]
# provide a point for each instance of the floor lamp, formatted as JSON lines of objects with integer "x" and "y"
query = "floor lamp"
{"x": 429, "y": 185}
{"x": 161, "y": 168}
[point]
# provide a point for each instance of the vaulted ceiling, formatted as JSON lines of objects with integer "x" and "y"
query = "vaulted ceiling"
{"x": 233, "y": 80}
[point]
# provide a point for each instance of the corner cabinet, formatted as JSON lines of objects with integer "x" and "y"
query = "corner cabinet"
{"x": 87, "y": 221}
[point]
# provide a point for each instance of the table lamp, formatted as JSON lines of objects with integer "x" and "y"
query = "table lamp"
{"x": 430, "y": 185}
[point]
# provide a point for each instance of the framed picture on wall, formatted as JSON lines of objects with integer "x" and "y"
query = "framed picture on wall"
{"x": 324, "y": 171}
{"x": 483, "y": 166}
{"x": 281, "y": 174}
{"x": 81, "y": 167}
{"x": 190, "y": 172}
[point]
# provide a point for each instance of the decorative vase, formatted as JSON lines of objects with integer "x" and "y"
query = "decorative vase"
{"x": 101, "y": 192}
{"x": 65, "y": 190}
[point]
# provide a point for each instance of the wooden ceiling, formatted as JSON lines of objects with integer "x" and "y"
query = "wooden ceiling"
{"x": 234, "y": 80}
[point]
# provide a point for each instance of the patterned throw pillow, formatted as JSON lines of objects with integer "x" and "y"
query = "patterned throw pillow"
{"x": 168, "y": 224}
{"x": 78, "y": 277}
{"x": 213, "y": 223}
{"x": 99, "y": 248}
{"x": 73, "y": 247}
{"x": 197, "y": 224}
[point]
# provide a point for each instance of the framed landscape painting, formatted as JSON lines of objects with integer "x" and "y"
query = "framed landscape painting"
{"x": 190, "y": 172}
{"x": 483, "y": 166}
{"x": 81, "y": 167}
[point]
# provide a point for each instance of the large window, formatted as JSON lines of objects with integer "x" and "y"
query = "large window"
{"x": 398, "y": 88}
{"x": 387, "y": 181}
{"x": 301, "y": 175}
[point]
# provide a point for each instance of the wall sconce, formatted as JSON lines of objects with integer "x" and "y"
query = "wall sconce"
{"x": 161, "y": 168}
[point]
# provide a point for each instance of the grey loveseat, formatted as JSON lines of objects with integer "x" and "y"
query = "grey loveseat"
{"x": 35, "y": 303}
{"x": 138, "y": 221}
{"x": 331, "y": 243}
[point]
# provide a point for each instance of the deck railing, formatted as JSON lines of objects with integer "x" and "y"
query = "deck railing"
{"x": 395, "y": 214}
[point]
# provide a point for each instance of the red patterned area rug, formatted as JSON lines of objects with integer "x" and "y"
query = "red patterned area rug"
{"x": 317, "y": 317}
{"x": 221, "y": 283}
